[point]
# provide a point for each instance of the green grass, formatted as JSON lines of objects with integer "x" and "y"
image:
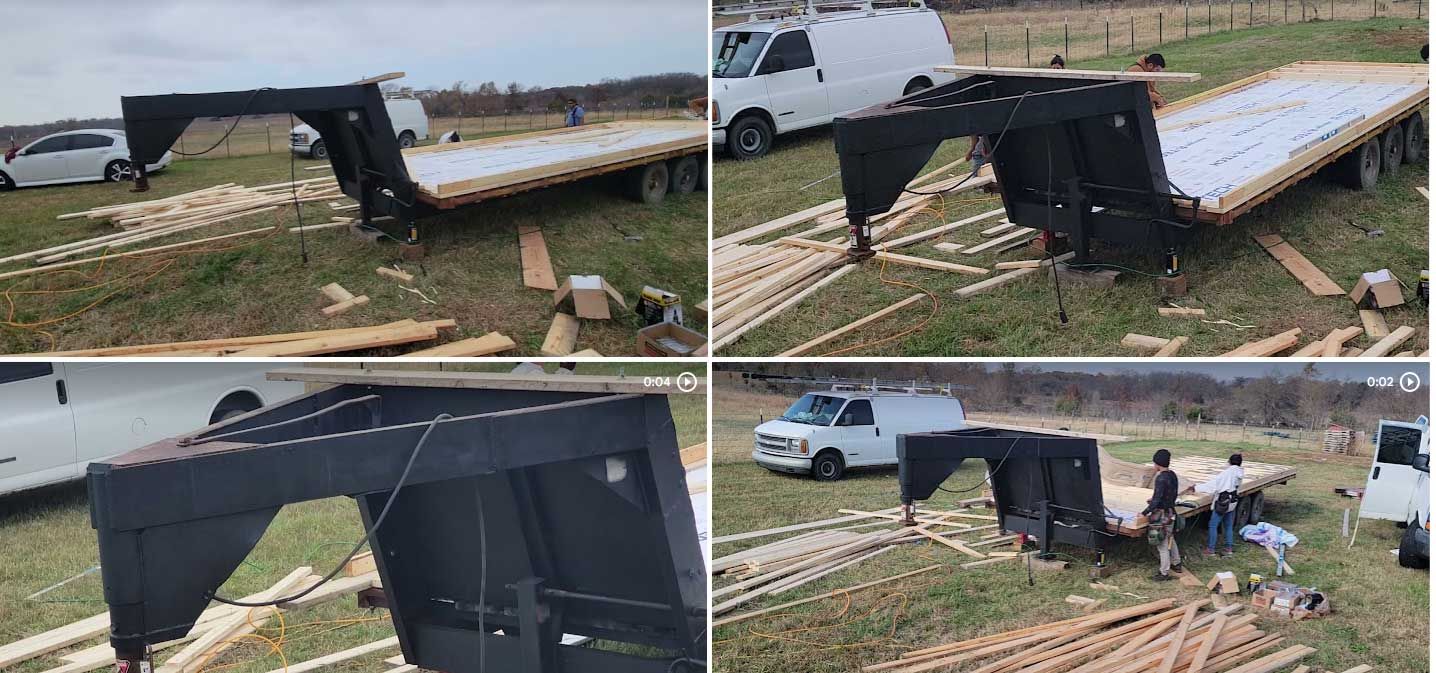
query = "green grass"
{"x": 1228, "y": 274}
{"x": 1380, "y": 613}
{"x": 260, "y": 286}
{"x": 45, "y": 537}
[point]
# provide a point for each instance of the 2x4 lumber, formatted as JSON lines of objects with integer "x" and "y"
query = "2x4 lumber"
{"x": 951, "y": 543}
{"x": 1171, "y": 347}
{"x": 1009, "y": 237}
{"x": 336, "y": 292}
{"x": 533, "y": 257}
{"x": 400, "y": 275}
{"x": 577, "y": 383}
{"x": 1276, "y": 660}
{"x": 223, "y": 634}
{"x": 235, "y": 343}
{"x": 784, "y": 305}
{"x": 1269, "y": 346}
{"x": 488, "y": 344}
{"x": 937, "y": 231}
{"x": 562, "y": 335}
{"x": 344, "y": 306}
{"x": 793, "y": 573}
{"x": 1144, "y": 342}
{"x": 372, "y": 338}
{"x": 1332, "y": 343}
{"x": 1134, "y": 611}
{"x": 852, "y": 326}
{"x": 1389, "y": 342}
{"x": 1179, "y": 636}
{"x": 1019, "y": 264}
{"x": 1299, "y": 266}
{"x": 824, "y": 571}
{"x": 739, "y": 537}
{"x": 1374, "y": 323}
{"x": 1180, "y": 311}
{"x": 338, "y": 657}
{"x": 895, "y": 258}
{"x": 58, "y": 638}
{"x": 780, "y": 224}
{"x": 132, "y": 253}
{"x": 998, "y": 281}
{"x": 831, "y": 594}
{"x": 1073, "y": 73}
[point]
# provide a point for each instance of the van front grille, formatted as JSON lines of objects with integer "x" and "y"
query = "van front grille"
{"x": 770, "y": 443}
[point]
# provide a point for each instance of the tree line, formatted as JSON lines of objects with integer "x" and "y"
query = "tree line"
{"x": 1272, "y": 399}
{"x": 646, "y": 91}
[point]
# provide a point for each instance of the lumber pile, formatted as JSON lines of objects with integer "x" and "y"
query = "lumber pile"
{"x": 1158, "y": 636}
{"x": 147, "y": 220}
{"x": 298, "y": 344}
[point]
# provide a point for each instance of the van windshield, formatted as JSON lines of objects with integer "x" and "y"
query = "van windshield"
{"x": 814, "y": 410}
{"x": 734, "y": 53}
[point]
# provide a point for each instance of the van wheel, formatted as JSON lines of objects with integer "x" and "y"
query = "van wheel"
{"x": 1409, "y": 553}
{"x": 1415, "y": 131}
{"x": 117, "y": 171}
{"x": 828, "y": 467}
{"x": 1258, "y": 504}
{"x": 683, "y": 175}
{"x": 1361, "y": 166}
{"x": 234, "y": 405}
{"x": 749, "y": 138}
{"x": 1393, "y": 147}
{"x": 318, "y": 150}
{"x": 648, "y": 184}
{"x": 916, "y": 85}
{"x": 406, "y": 140}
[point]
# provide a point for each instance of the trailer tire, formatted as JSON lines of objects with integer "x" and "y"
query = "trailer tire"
{"x": 828, "y": 466}
{"x": 749, "y": 137}
{"x": 1414, "y": 129}
{"x": 683, "y": 175}
{"x": 1393, "y": 147}
{"x": 1244, "y": 511}
{"x": 1408, "y": 554}
{"x": 1361, "y": 166}
{"x": 1258, "y": 504}
{"x": 318, "y": 150}
{"x": 649, "y": 183}
{"x": 703, "y": 173}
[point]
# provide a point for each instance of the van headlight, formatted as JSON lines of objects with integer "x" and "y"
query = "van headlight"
{"x": 798, "y": 445}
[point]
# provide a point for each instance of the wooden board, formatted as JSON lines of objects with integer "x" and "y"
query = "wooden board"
{"x": 373, "y": 338}
{"x": 852, "y": 326}
{"x": 1071, "y": 73}
{"x": 562, "y": 335}
{"x": 998, "y": 281}
{"x": 1013, "y": 236}
{"x": 533, "y": 256}
{"x": 488, "y": 344}
{"x": 1313, "y": 278}
{"x": 1374, "y": 323}
{"x": 575, "y": 383}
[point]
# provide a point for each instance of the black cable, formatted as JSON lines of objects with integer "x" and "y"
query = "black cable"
{"x": 987, "y": 479}
{"x": 237, "y": 119}
{"x": 1051, "y": 256}
{"x": 298, "y": 213}
{"x": 702, "y": 665}
{"x": 368, "y": 534}
{"x": 990, "y": 154}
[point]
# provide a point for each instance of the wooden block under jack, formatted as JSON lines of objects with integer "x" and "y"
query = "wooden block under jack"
{"x": 1173, "y": 286}
{"x": 411, "y": 252}
{"x": 1095, "y": 278}
{"x": 1099, "y": 572}
{"x": 1048, "y": 564}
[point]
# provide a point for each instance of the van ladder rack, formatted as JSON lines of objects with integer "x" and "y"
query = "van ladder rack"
{"x": 855, "y": 384}
{"x": 810, "y": 8}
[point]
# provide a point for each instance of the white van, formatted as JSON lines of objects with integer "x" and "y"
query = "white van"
{"x": 59, "y": 417}
{"x": 410, "y": 122}
{"x": 777, "y": 75}
{"x": 825, "y": 433}
{"x": 1399, "y": 486}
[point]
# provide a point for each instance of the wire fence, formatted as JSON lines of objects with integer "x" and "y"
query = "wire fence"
{"x": 1183, "y": 430}
{"x": 1028, "y": 37}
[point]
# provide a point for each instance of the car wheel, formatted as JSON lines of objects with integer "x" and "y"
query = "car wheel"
{"x": 406, "y": 140}
{"x": 749, "y": 138}
{"x": 6, "y": 184}
{"x": 117, "y": 171}
{"x": 683, "y": 175}
{"x": 648, "y": 184}
{"x": 1393, "y": 147}
{"x": 318, "y": 150}
{"x": 828, "y": 467}
{"x": 918, "y": 84}
{"x": 1415, "y": 132}
{"x": 1409, "y": 553}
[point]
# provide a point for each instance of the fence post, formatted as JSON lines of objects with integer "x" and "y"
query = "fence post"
{"x": 1132, "y": 21}
{"x": 1029, "y": 45}
{"x": 1159, "y": 29}
{"x": 1187, "y": 19}
{"x": 985, "y": 62}
{"x": 1418, "y": 9}
{"x": 1209, "y": 17}
{"x": 1373, "y": 9}
{"x": 268, "y": 141}
{"x": 226, "y": 144}
{"x": 1251, "y": 9}
{"x": 1067, "y": 43}
{"x": 1285, "y": 11}
{"x": 1231, "y": 15}
{"x": 1108, "y": 22}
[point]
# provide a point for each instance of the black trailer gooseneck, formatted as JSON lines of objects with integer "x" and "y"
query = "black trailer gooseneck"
{"x": 351, "y": 118}
{"x": 1070, "y": 156}
{"x": 581, "y": 497}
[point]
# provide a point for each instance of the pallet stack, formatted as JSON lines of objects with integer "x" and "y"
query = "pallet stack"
{"x": 1337, "y": 440}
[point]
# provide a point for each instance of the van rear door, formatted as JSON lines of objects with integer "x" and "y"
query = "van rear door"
{"x": 794, "y": 80}
{"x": 1392, "y": 481}
{"x": 37, "y": 430}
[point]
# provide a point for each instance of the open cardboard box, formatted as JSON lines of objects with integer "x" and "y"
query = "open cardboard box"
{"x": 649, "y": 343}
{"x": 1377, "y": 289}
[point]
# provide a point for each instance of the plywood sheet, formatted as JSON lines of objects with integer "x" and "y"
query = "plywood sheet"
{"x": 464, "y": 168}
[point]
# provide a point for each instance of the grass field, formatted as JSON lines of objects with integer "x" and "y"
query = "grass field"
{"x": 260, "y": 286}
{"x": 1229, "y": 275}
{"x": 1380, "y": 613}
{"x": 45, "y": 536}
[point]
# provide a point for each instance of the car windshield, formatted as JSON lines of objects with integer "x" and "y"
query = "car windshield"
{"x": 734, "y": 53}
{"x": 814, "y": 410}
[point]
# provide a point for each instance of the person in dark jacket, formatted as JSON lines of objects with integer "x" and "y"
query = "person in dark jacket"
{"x": 1161, "y": 515}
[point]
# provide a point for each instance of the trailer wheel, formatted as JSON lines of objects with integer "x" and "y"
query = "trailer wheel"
{"x": 648, "y": 184}
{"x": 703, "y": 173}
{"x": 683, "y": 175}
{"x": 1244, "y": 511}
{"x": 1415, "y": 131}
{"x": 1361, "y": 166}
{"x": 828, "y": 466}
{"x": 1258, "y": 504}
{"x": 1393, "y": 147}
{"x": 1409, "y": 553}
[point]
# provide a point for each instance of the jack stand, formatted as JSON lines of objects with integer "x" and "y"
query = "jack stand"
{"x": 1049, "y": 243}
{"x": 1174, "y": 284}
{"x": 411, "y": 249}
{"x": 908, "y": 514}
{"x": 860, "y": 242}
{"x": 1100, "y": 570}
{"x": 133, "y": 662}
{"x": 142, "y": 180}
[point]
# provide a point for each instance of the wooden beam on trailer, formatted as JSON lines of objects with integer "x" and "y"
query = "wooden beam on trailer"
{"x": 1072, "y": 73}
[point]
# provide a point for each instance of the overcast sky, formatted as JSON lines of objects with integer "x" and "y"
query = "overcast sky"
{"x": 75, "y": 58}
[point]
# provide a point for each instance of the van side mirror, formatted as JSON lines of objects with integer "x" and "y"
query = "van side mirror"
{"x": 1422, "y": 462}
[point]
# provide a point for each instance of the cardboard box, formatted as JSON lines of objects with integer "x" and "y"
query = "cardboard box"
{"x": 669, "y": 340}
{"x": 1224, "y": 582}
{"x": 1377, "y": 289}
{"x": 1262, "y": 598}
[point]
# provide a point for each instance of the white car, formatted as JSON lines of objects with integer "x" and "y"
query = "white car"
{"x": 825, "y": 433}
{"x": 406, "y": 115}
{"x": 85, "y": 155}
{"x": 59, "y": 417}
{"x": 776, "y": 75}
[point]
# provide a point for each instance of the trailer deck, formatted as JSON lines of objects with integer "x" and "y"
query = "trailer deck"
{"x": 1126, "y": 487}
{"x": 449, "y": 175}
{"x": 1238, "y": 145}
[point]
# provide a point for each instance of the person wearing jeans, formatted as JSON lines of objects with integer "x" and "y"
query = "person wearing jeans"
{"x": 1223, "y": 489}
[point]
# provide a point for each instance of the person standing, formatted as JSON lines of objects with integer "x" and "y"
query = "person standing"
{"x": 1151, "y": 63}
{"x": 575, "y": 114}
{"x": 1161, "y": 516}
{"x": 1223, "y": 489}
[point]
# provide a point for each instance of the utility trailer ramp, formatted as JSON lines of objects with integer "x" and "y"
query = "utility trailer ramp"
{"x": 1237, "y": 145}
{"x": 490, "y": 167}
